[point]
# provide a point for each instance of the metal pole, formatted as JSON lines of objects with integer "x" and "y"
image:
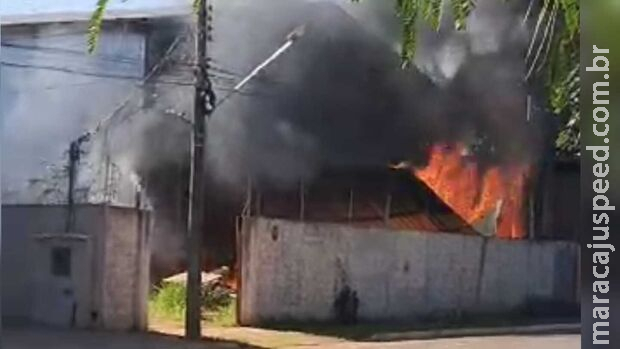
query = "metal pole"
{"x": 388, "y": 209}
{"x": 258, "y": 202}
{"x": 74, "y": 158}
{"x": 302, "y": 201}
{"x": 74, "y": 154}
{"x": 350, "y": 213}
{"x": 203, "y": 105}
{"x": 291, "y": 38}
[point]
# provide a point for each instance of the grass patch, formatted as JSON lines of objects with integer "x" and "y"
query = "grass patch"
{"x": 167, "y": 304}
{"x": 223, "y": 316}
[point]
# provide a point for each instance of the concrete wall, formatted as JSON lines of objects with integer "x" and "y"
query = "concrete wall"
{"x": 109, "y": 272}
{"x": 20, "y": 225}
{"x": 126, "y": 272}
{"x": 292, "y": 271}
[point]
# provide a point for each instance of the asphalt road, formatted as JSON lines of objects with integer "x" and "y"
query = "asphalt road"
{"x": 33, "y": 338}
{"x": 505, "y": 342}
{"x": 50, "y": 339}
{"x": 40, "y": 338}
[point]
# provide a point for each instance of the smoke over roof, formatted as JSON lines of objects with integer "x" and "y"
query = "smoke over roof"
{"x": 339, "y": 98}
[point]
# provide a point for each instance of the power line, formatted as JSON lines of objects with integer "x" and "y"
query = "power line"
{"x": 54, "y": 87}
{"x": 95, "y": 75}
{"x": 59, "y": 50}
{"x": 102, "y": 123}
{"x": 108, "y": 76}
{"x": 213, "y": 66}
{"x": 69, "y": 71}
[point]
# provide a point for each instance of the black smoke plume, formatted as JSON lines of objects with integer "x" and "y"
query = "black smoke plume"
{"x": 339, "y": 98}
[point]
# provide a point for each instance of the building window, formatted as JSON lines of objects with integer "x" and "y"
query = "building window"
{"x": 61, "y": 261}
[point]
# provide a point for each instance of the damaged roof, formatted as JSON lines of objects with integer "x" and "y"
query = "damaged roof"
{"x": 364, "y": 197}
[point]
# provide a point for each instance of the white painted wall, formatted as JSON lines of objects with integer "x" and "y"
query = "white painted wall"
{"x": 398, "y": 275}
{"x": 110, "y": 274}
{"x": 21, "y": 261}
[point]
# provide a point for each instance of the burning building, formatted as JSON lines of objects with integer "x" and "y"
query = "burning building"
{"x": 335, "y": 137}
{"x": 339, "y": 102}
{"x": 338, "y": 99}
{"x": 353, "y": 161}
{"x": 474, "y": 193}
{"x": 381, "y": 197}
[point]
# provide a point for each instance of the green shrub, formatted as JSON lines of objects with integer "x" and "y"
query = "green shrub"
{"x": 215, "y": 298}
{"x": 168, "y": 303}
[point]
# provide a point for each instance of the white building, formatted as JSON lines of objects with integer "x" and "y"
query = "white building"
{"x": 93, "y": 273}
{"x": 53, "y": 91}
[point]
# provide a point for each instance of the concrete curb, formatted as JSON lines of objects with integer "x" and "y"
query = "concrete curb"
{"x": 471, "y": 332}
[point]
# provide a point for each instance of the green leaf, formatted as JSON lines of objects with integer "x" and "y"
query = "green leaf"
{"x": 431, "y": 12}
{"x": 461, "y": 10}
{"x": 196, "y": 5}
{"x": 557, "y": 61}
{"x": 570, "y": 8}
{"x": 94, "y": 25}
{"x": 407, "y": 10}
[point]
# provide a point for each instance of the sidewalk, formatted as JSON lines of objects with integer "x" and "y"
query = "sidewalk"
{"x": 547, "y": 329}
{"x": 256, "y": 337}
{"x": 290, "y": 339}
{"x": 41, "y": 337}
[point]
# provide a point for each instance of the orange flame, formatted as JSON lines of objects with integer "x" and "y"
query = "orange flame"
{"x": 474, "y": 194}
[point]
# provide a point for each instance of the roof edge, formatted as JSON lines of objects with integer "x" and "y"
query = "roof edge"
{"x": 81, "y": 16}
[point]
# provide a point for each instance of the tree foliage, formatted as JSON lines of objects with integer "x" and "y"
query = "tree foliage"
{"x": 94, "y": 27}
{"x": 552, "y": 57}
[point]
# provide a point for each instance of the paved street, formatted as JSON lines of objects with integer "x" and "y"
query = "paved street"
{"x": 39, "y": 338}
{"x": 508, "y": 342}
{"x": 50, "y": 339}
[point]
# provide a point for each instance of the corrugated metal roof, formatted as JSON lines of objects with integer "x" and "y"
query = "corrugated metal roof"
{"x": 412, "y": 205}
{"x": 46, "y": 11}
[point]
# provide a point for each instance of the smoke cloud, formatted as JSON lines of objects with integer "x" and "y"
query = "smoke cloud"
{"x": 45, "y": 108}
{"x": 339, "y": 97}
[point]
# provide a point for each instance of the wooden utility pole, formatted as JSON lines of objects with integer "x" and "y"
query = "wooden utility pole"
{"x": 204, "y": 101}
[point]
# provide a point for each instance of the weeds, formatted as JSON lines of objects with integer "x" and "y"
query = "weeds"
{"x": 167, "y": 303}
